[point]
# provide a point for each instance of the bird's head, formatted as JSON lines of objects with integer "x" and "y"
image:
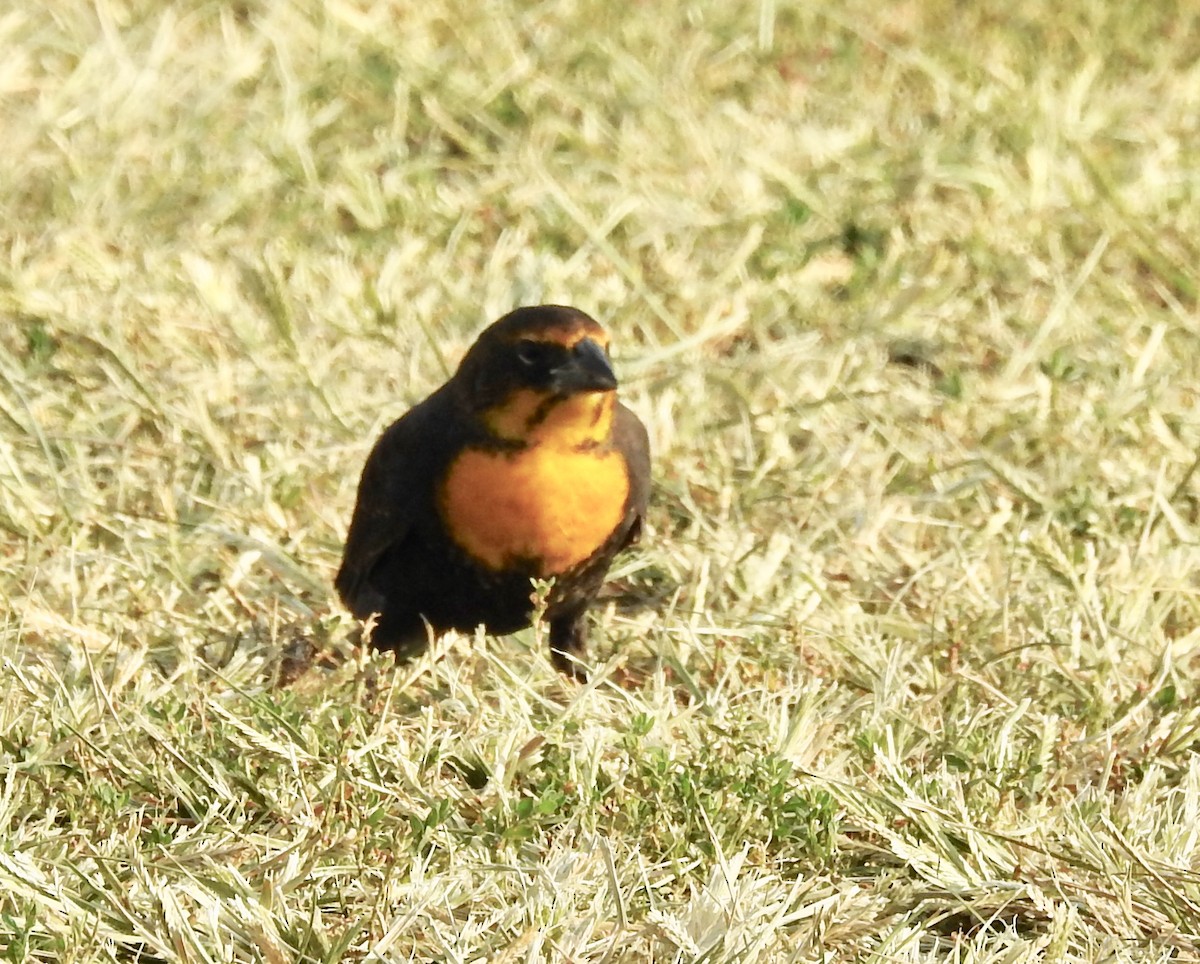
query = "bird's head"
{"x": 542, "y": 375}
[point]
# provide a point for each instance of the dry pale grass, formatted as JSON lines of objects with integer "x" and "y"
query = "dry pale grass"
{"x": 907, "y": 295}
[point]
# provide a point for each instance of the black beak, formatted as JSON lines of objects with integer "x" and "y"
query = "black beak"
{"x": 587, "y": 369}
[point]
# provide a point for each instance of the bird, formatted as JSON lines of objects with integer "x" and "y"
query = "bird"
{"x": 522, "y": 466}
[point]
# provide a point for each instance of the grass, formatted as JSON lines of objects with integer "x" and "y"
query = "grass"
{"x": 905, "y": 667}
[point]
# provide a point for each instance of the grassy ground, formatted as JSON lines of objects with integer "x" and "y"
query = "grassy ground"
{"x": 906, "y": 666}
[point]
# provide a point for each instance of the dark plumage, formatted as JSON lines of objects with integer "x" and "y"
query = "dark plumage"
{"x": 523, "y": 465}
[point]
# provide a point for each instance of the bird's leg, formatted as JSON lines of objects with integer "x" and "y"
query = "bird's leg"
{"x": 405, "y": 637}
{"x": 568, "y": 644}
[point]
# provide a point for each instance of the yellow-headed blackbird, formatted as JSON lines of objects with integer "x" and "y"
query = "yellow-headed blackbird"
{"x": 522, "y": 466}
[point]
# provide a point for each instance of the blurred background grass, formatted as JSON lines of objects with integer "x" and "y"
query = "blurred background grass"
{"x": 907, "y": 297}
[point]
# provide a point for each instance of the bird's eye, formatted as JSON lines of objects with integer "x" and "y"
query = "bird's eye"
{"x": 529, "y": 352}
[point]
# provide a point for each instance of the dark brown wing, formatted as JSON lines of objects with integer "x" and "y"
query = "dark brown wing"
{"x": 629, "y": 435}
{"x": 395, "y": 491}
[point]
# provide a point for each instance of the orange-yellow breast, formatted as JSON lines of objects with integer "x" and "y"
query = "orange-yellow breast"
{"x": 545, "y": 504}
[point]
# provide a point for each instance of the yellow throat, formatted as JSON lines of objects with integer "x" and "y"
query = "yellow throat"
{"x": 549, "y": 504}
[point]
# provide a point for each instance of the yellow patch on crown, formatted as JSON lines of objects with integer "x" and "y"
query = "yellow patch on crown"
{"x": 569, "y": 335}
{"x": 554, "y": 501}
